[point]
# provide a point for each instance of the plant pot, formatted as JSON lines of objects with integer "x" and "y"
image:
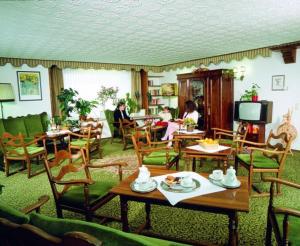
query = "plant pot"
{"x": 190, "y": 128}
{"x": 254, "y": 98}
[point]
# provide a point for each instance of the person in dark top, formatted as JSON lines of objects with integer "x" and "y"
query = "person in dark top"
{"x": 120, "y": 113}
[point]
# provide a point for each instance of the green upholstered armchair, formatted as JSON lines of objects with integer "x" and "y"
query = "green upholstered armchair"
{"x": 285, "y": 222}
{"x": 266, "y": 157}
{"x": 16, "y": 149}
{"x": 80, "y": 193}
{"x": 115, "y": 131}
{"x": 156, "y": 154}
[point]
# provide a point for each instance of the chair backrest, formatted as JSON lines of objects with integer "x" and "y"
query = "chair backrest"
{"x": 63, "y": 162}
{"x": 109, "y": 114}
{"x": 93, "y": 126}
{"x": 136, "y": 137}
{"x": 9, "y": 142}
{"x": 281, "y": 142}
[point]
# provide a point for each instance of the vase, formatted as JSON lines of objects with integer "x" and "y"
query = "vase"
{"x": 190, "y": 128}
{"x": 254, "y": 98}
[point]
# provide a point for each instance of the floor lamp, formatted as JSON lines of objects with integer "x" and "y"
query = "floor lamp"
{"x": 6, "y": 95}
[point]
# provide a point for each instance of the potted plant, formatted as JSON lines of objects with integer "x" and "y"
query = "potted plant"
{"x": 131, "y": 104}
{"x": 251, "y": 94}
{"x": 84, "y": 107}
{"x": 190, "y": 124}
{"x": 107, "y": 93}
{"x": 67, "y": 100}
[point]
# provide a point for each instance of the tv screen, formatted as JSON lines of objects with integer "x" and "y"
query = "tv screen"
{"x": 250, "y": 111}
{"x": 256, "y": 112}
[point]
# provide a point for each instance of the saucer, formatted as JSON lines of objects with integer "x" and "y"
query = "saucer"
{"x": 191, "y": 185}
{"x": 211, "y": 176}
{"x": 135, "y": 187}
{"x": 238, "y": 184}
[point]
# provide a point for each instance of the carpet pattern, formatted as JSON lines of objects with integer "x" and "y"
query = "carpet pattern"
{"x": 185, "y": 224}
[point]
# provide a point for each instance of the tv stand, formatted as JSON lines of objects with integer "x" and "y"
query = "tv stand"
{"x": 256, "y": 132}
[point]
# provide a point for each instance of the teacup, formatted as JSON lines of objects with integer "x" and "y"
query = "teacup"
{"x": 217, "y": 174}
{"x": 187, "y": 181}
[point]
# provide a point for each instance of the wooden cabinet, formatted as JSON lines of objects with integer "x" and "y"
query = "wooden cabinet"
{"x": 216, "y": 86}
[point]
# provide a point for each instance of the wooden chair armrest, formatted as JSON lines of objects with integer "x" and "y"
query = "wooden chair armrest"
{"x": 165, "y": 142}
{"x": 123, "y": 164}
{"x": 267, "y": 151}
{"x": 222, "y": 130}
{"x": 35, "y": 141}
{"x": 288, "y": 211}
{"x": 36, "y": 206}
{"x": 80, "y": 238}
{"x": 281, "y": 181}
{"x": 167, "y": 149}
{"x": 75, "y": 182}
{"x": 249, "y": 142}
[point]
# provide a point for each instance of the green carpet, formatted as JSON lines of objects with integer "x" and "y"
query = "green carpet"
{"x": 20, "y": 191}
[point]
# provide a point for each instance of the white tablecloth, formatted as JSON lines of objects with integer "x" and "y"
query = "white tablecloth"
{"x": 206, "y": 187}
{"x": 199, "y": 148}
{"x": 195, "y": 131}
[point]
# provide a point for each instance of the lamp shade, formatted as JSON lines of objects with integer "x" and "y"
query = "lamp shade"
{"x": 6, "y": 92}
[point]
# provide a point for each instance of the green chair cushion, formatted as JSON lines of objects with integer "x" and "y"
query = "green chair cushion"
{"x": 108, "y": 236}
{"x": 75, "y": 195}
{"x": 12, "y": 214}
{"x": 159, "y": 157}
{"x": 259, "y": 160}
{"x": 79, "y": 142}
{"x": 294, "y": 225}
{"x": 33, "y": 124}
{"x": 15, "y": 126}
{"x": 30, "y": 149}
{"x": 109, "y": 115}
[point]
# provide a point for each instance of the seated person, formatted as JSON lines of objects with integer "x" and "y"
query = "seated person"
{"x": 165, "y": 116}
{"x": 190, "y": 112}
{"x": 120, "y": 113}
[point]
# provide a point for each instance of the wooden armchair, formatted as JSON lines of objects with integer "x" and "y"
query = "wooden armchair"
{"x": 16, "y": 149}
{"x": 156, "y": 154}
{"x": 81, "y": 195}
{"x": 285, "y": 222}
{"x": 229, "y": 137}
{"x": 266, "y": 157}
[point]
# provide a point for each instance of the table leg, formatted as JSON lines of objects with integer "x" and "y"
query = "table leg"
{"x": 225, "y": 166}
{"x": 124, "y": 214}
{"x": 194, "y": 164}
{"x": 233, "y": 229}
{"x": 187, "y": 164}
{"x": 148, "y": 210}
{"x": 55, "y": 146}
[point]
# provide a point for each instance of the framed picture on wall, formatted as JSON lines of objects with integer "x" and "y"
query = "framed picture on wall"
{"x": 29, "y": 85}
{"x": 278, "y": 83}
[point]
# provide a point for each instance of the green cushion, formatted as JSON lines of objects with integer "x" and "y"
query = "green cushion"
{"x": 44, "y": 121}
{"x": 159, "y": 157}
{"x": 2, "y": 128}
{"x": 109, "y": 114}
{"x": 79, "y": 143}
{"x": 30, "y": 149}
{"x": 75, "y": 195}
{"x": 12, "y": 214}
{"x": 294, "y": 226}
{"x": 108, "y": 236}
{"x": 33, "y": 124}
{"x": 15, "y": 126}
{"x": 259, "y": 160}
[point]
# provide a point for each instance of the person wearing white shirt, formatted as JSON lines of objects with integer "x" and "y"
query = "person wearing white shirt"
{"x": 165, "y": 115}
{"x": 190, "y": 112}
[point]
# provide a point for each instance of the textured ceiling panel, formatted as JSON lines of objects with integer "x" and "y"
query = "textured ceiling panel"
{"x": 151, "y": 32}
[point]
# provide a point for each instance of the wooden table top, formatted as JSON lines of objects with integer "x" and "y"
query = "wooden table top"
{"x": 230, "y": 199}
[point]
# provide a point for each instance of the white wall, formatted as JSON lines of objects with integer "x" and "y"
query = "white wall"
{"x": 8, "y": 74}
{"x": 260, "y": 71}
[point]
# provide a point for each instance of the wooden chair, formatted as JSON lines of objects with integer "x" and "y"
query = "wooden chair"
{"x": 96, "y": 128}
{"x": 285, "y": 222}
{"x": 155, "y": 154}
{"x": 16, "y": 149}
{"x": 81, "y": 195}
{"x": 229, "y": 137}
{"x": 87, "y": 141}
{"x": 266, "y": 157}
{"x": 127, "y": 128}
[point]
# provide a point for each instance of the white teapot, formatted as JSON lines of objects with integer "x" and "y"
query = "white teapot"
{"x": 230, "y": 178}
{"x": 144, "y": 175}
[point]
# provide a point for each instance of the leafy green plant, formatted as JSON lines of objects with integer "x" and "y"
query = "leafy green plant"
{"x": 253, "y": 91}
{"x": 106, "y": 93}
{"x": 189, "y": 121}
{"x": 84, "y": 107}
{"x": 131, "y": 104}
{"x": 67, "y": 100}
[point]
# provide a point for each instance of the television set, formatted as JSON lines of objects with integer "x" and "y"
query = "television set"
{"x": 253, "y": 112}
